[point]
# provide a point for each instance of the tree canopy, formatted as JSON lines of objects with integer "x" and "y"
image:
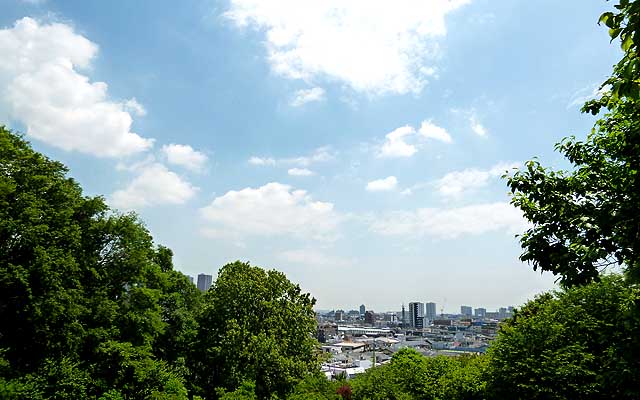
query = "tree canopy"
{"x": 255, "y": 326}
{"x": 89, "y": 305}
{"x": 580, "y": 343}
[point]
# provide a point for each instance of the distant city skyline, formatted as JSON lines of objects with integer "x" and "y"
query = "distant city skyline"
{"x": 204, "y": 281}
{"x": 452, "y": 311}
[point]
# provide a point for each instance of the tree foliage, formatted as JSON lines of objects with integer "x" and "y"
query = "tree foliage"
{"x": 587, "y": 219}
{"x": 411, "y": 375}
{"x": 255, "y": 326}
{"x": 89, "y": 305}
{"x": 580, "y": 343}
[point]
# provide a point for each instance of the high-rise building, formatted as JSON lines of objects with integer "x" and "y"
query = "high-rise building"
{"x": 466, "y": 311}
{"x": 416, "y": 315}
{"x": 431, "y": 312}
{"x": 339, "y": 316}
{"x": 480, "y": 312}
{"x": 363, "y": 309}
{"x": 204, "y": 282}
{"x": 190, "y": 278}
{"x": 404, "y": 317}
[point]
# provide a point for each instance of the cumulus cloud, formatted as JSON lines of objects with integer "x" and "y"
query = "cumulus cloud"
{"x": 300, "y": 172}
{"x": 476, "y": 126}
{"x": 134, "y": 107}
{"x": 405, "y": 141}
{"x": 456, "y": 183}
{"x": 395, "y": 144}
{"x": 153, "y": 185}
{"x": 305, "y": 96}
{"x": 321, "y": 154}
{"x": 430, "y": 130}
{"x": 272, "y": 209}
{"x": 383, "y": 185}
{"x": 185, "y": 156}
{"x": 372, "y": 47}
{"x": 262, "y": 161}
{"x": 42, "y": 88}
{"x": 449, "y": 223}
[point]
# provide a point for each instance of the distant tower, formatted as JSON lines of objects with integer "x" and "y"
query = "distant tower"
{"x": 431, "y": 312}
{"x": 416, "y": 315}
{"x": 404, "y": 318}
{"x": 204, "y": 282}
{"x": 363, "y": 310}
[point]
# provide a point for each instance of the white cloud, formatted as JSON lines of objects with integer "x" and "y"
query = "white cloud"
{"x": 300, "y": 172}
{"x": 185, "y": 156}
{"x": 373, "y": 47}
{"x": 404, "y": 141}
{"x": 382, "y": 185}
{"x": 476, "y": 126}
{"x": 261, "y": 161}
{"x": 273, "y": 209}
{"x": 449, "y": 223}
{"x": 305, "y": 96}
{"x": 585, "y": 94}
{"x": 154, "y": 185}
{"x": 42, "y": 88}
{"x": 430, "y": 130}
{"x": 321, "y": 154}
{"x": 134, "y": 107}
{"x": 456, "y": 183}
{"x": 395, "y": 144}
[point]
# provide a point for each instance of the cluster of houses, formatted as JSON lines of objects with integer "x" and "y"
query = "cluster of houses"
{"x": 354, "y": 348}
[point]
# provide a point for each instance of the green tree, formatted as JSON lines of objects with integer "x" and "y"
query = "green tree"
{"x": 587, "y": 219}
{"x": 580, "y": 343}
{"x": 315, "y": 386}
{"x": 410, "y": 375}
{"x": 88, "y": 303}
{"x": 255, "y": 326}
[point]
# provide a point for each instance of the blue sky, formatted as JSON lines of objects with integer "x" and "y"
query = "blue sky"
{"x": 356, "y": 146}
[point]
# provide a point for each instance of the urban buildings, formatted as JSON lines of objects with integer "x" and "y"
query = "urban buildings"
{"x": 431, "y": 312}
{"x": 480, "y": 312}
{"x": 204, "y": 282}
{"x": 416, "y": 315}
{"x": 466, "y": 311}
{"x": 363, "y": 309}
